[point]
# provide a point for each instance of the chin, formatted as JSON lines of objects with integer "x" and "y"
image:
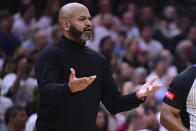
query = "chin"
{"x": 86, "y": 36}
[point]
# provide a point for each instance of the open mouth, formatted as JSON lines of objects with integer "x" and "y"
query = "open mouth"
{"x": 87, "y": 30}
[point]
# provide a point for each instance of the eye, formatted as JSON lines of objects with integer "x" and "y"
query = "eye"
{"x": 90, "y": 19}
{"x": 82, "y": 18}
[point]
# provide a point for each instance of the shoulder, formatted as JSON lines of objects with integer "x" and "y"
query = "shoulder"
{"x": 7, "y": 81}
{"x": 32, "y": 82}
{"x": 184, "y": 79}
{"x": 50, "y": 54}
{"x": 9, "y": 76}
{"x": 6, "y": 101}
{"x": 179, "y": 88}
{"x": 51, "y": 49}
{"x": 187, "y": 75}
{"x": 156, "y": 42}
{"x": 18, "y": 23}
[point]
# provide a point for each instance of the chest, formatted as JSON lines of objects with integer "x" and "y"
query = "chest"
{"x": 84, "y": 63}
{"x": 191, "y": 99}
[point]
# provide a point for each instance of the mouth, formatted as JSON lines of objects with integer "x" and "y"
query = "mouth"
{"x": 89, "y": 30}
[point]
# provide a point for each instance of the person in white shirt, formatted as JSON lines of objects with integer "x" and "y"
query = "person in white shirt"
{"x": 19, "y": 86}
{"x": 147, "y": 43}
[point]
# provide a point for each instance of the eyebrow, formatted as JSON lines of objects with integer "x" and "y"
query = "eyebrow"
{"x": 84, "y": 17}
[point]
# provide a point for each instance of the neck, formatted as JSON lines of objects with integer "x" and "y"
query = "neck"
{"x": 130, "y": 26}
{"x": 159, "y": 73}
{"x": 147, "y": 40}
{"x": 26, "y": 20}
{"x": 69, "y": 36}
{"x": 13, "y": 128}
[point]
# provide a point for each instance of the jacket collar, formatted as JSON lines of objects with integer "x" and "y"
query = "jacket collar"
{"x": 73, "y": 44}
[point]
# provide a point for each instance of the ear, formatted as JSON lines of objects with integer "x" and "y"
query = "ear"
{"x": 12, "y": 120}
{"x": 65, "y": 24}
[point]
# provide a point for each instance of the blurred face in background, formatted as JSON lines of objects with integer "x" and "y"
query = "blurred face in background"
{"x": 9, "y": 67}
{"x": 166, "y": 54}
{"x": 105, "y": 6}
{"x": 184, "y": 24}
{"x": 55, "y": 7}
{"x": 6, "y": 23}
{"x": 24, "y": 67}
{"x": 122, "y": 39}
{"x": 41, "y": 40}
{"x": 192, "y": 34}
{"x": 146, "y": 14}
{"x": 147, "y": 33}
{"x": 108, "y": 45}
{"x": 107, "y": 21}
{"x": 128, "y": 19}
{"x": 30, "y": 12}
{"x": 20, "y": 119}
{"x": 161, "y": 67}
{"x": 127, "y": 88}
{"x": 139, "y": 78}
{"x": 101, "y": 119}
{"x": 126, "y": 71}
{"x": 139, "y": 119}
{"x": 132, "y": 8}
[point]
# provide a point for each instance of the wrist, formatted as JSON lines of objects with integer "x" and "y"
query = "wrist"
{"x": 139, "y": 96}
{"x": 70, "y": 89}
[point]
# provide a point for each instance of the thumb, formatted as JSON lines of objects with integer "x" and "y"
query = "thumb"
{"x": 72, "y": 75}
{"x": 153, "y": 79}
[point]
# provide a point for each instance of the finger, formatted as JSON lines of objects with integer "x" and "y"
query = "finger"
{"x": 92, "y": 77}
{"x": 87, "y": 79}
{"x": 151, "y": 88}
{"x": 72, "y": 75}
{"x": 153, "y": 79}
{"x": 156, "y": 87}
{"x": 147, "y": 91}
{"x": 82, "y": 80}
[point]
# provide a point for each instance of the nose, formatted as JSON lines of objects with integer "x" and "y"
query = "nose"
{"x": 88, "y": 23}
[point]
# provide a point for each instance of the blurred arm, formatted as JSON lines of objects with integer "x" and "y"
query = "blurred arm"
{"x": 169, "y": 118}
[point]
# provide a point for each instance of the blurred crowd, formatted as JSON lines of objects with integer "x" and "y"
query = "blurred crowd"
{"x": 139, "y": 39}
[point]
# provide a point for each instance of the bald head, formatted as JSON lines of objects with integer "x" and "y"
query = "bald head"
{"x": 69, "y": 10}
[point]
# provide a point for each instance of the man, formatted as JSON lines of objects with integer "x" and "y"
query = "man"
{"x": 180, "y": 99}
{"x": 72, "y": 78}
{"x": 8, "y": 40}
{"x": 15, "y": 118}
{"x": 19, "y": 86}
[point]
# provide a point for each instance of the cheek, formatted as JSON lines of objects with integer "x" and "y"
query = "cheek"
{"x": 79, "y": 26}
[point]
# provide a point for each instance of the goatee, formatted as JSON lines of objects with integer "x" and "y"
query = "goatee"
{"x": 78, "y": 34}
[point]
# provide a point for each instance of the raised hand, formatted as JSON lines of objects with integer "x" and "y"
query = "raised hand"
{"x": 148, "y": 88}
{"x": 78, "y": 84}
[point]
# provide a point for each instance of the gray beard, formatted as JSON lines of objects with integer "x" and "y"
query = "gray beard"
{"x": 86, "y": 36}
{"x": 78, "y": 34}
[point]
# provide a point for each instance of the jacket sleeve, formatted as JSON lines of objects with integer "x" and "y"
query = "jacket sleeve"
{"x": 48, "y": 76}
{"x": 113, "y": 100}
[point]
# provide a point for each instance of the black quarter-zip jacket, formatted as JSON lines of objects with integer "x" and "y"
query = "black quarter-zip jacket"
{"x": 59, "y": 109}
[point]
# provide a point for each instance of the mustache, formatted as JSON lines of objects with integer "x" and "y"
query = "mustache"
{"x": 87, "y": 29}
